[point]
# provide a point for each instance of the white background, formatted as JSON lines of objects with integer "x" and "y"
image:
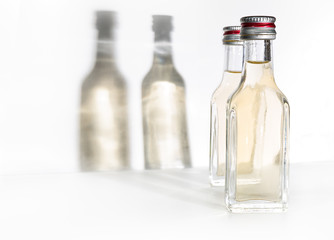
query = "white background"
{"x": 47, "y": 48}
{"x": 158, "y": 205}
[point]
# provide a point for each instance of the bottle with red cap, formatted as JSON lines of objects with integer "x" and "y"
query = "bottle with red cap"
{"x": 230, "y": 82}
{"x": 257, "y": 127}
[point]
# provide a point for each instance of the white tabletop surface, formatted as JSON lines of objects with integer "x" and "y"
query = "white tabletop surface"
{"x": 173, "y": 204}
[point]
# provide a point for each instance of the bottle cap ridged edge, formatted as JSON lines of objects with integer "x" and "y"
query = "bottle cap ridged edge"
{"x": 258, "y": 28}
{"x": 232, "y": 35}
{"x": 258, "y": 19}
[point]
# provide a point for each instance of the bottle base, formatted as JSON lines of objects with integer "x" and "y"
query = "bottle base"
{"x": 84, "y": 167}
{"x": 167, "y": 166}
{"x": 217, "y": 182}
{"x": 257, "y": 207}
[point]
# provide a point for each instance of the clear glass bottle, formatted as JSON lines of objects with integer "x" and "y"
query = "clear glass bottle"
{"x": 163, "y": 105}
{"x": 103, "y": 110}
{"x": 258, "y": 128}
{"x": 230, "y": 82}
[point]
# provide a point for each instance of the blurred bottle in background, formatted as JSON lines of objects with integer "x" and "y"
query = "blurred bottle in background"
{"x": 163, "y": 105}
{"x": 103, "y": 110}
{"x": 229, "y": 84}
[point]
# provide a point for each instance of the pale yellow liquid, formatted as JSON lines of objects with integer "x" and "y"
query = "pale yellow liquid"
{"x": 258, "y": 113}
{"x": 103, "y": 121}
{"x": 164, "y": 119}
{"x": 228, "y": 86}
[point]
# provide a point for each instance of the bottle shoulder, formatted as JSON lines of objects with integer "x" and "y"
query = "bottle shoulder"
{"x": 217, "y": 94}
{"x": 229, "y": 84}
{"x": 253, "y": 95}
{"x": 107, "y": 78}
{"x": 163, "y": 74}
{"x": 105, "y": 73}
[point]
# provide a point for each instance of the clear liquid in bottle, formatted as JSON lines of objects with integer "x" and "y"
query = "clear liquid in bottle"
{"x": 230, "y": 83}
{"x": 258, "y": 128}
{"x": 228, "y": 86}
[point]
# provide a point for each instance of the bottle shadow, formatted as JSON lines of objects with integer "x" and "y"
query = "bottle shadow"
{"x": 186, "y": 185}
{"x": 103, "y": 106}
{"x": 165, "y": 128}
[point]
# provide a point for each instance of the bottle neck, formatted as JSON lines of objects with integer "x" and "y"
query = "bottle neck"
{"x": 258, "y": 50}
{"x": 162, "y": 52}
{"x": 233, "y": 58}
{"x": 258, "y": 63}
{"x": 105, "y": 51}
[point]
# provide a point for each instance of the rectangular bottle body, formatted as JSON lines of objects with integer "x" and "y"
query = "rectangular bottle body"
{"x": 230, "y": 83}
{"x": 258, "y": 147}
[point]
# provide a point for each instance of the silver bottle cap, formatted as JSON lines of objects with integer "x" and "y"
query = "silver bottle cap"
{"x": 258, "y": 28}
{"x": 232, "y": 35}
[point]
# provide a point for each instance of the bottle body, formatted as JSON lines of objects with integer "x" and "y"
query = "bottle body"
{"x": 228, "y": 86}
{"x": 164, "y": 118}
{"x": 103, "y": 115}
{"x": 230, "y": 82}
{"x": 258, "y": 137}
{"x": 258, "y": 145}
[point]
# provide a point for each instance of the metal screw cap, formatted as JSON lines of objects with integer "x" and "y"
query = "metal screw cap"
{"x": 258, "y": 28}
{"x": 232, "y": 35}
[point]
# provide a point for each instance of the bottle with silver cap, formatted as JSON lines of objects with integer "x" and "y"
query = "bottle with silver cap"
{"x": 103, "y": 108}
{"x": 258, "y": 127}
{"x": 230, "y": 82}
{"x": 163, "y": 105}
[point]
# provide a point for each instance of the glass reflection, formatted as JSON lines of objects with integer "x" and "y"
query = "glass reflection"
{"x": 163, "y": 105}
{"x": 103, "y": 109}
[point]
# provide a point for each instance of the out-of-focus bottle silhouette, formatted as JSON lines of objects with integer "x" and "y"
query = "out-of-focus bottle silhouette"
{"x": 103, "y": 110}
{"x": 163, "y": 105}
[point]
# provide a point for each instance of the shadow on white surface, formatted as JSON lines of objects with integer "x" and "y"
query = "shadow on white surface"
{"x": 190, "y": 186}
{"x": 176, "y": 204}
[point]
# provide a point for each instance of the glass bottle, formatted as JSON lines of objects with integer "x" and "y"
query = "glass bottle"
{"x": 258, "y": 127}
{"x": 163, "y": 105}
{"x": 230, "y": 82}
{"x": 103, "y": 110}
